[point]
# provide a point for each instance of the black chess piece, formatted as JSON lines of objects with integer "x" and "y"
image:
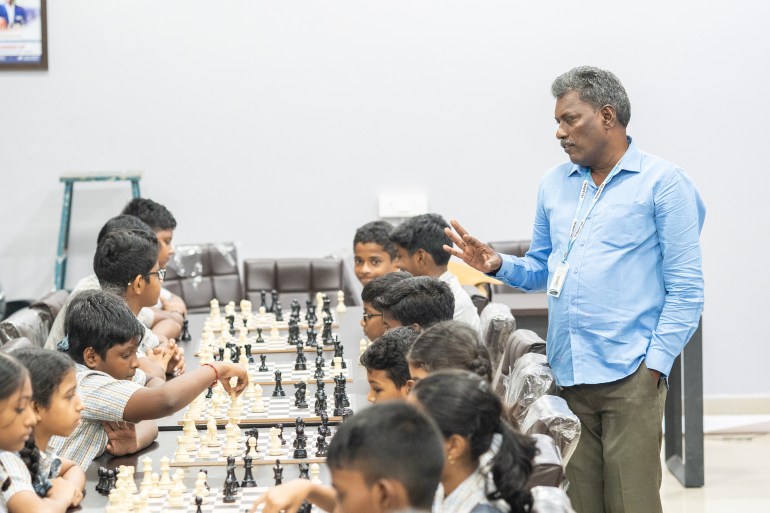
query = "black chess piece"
{"x": 299, "y": 433}
{"x": 304, "y": 471}
{"x": 300, "y": 400}
{"x": 231, "y": 322}
{"x": 305, "y": 507}
{"x": 273, "y": 300}
{"x": 326, "y": 334}
{"x": 210, "y": 393}
{"x": 221, "y": 352}
{"x": 248, "y": 477}
{"x": 322, "y": 449}
{"x": 320, "y": 402}
{"x": 262, "y": 298}
{"x": 249, "y": 356}
{"x": 300, "y": 452}
{"x": 278, "y": 390}
{"x": 101, "y": 486}
{"x": 259, "y": 340}
{"x": 185, "y": 336}
{"x": 324, "y": 427}
{"x": 339, "y": 351}
{"x": 299, "y": 363}
{"x": 235, "y": 356}
{"x": 263, "y": 363}
{"x": 278, "y": 472}
{"x": 280, "y": 433}
{"x": 231, "y": 482}
{"x": 111, "y": 480}
{"x": 278, "y": 312}
{"x": 319, "y": 367}
{"x": 308, "y": 304}
{"x": 198, "y": 504}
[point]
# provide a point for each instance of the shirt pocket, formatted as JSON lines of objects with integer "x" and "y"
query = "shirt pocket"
{"x": 622, "y": 225}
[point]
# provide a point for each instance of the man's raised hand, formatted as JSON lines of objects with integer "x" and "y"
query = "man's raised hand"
{"x": 471, "y": 250}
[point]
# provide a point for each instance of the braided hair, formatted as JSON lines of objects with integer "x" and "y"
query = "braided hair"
{"x": 463, "y": 404}
{"x": 450, "y": 345}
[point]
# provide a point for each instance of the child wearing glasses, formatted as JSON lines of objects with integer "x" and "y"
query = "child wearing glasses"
{"x": 372, "y": 320}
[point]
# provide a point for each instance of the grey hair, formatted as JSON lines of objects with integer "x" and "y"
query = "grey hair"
{"x": 596, "y": 87}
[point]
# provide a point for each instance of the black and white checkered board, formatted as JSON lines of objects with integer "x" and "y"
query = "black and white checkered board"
{"x": 277, "y": 409}
{"x": 266, "y": 322}
{"x": 276, "y": 345}
{"x": 289, "y": 376}
{"x": 213, "y": 502}
{"x": 217, "y": 459}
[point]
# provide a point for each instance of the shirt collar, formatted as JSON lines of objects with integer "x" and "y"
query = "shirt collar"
{"x": 631, "y": 160}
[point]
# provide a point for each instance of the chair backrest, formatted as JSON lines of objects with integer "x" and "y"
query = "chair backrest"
{"x": 200, "y": 272}
{"x": 497, "y": 324}
{"x": 519, "y": 343}
{"x": 296, "y": 279}
{"x": 548, "y": 499}
{"x": 33, "y": 322}
{"x": 550, "y": 415}
{"x": 517, "y": 248}
{"x": 530, "y": 379}
{"x": 547, "y": 466}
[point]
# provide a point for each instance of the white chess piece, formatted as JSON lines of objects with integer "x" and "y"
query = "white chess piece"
{"x": 156, "y": 491}
{"x": 258, "y": 404}
{"x": 179, "y": 477}
{"x": 341, "y": 308}
{"x": 200, "y": 486}
{"x": 175, "y": 495}
{"x": 253, "y": 454}
{"x": 165, "y": 477}
{"x": 274, "y": 333}
{"x": 362, "y": 345}
{"x": 315, "y": 470}
{"x": 203, "y": 450}
{"x": 275, "y": 448}
{"x": 147, "y": 469}
{"x": 181, "y": 450}
{"x": 337, "y": 363}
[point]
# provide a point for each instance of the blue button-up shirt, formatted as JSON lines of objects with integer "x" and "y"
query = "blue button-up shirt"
{"x": 634, "y": 288}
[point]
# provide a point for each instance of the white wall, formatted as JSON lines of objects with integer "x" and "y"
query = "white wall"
{"x": 278, "y": 124}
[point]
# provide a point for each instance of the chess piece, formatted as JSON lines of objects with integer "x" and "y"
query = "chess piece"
{"x": 319, "y": 366}
{"x": 249, "y": 356}
{"x": 231, "y": 482}
{"x": 186, "y": 337}
{"x": 274, "y": 447}
{"x": 341, "y": 308}
{"x": 198, "y": 504}
{"x": 203, "y": 450}
{"x": 263, "y": 366}
{"x": 147, "y": 471}
{"x": 278, "y": 390}
{"x": 299, "y": 395}
{"x": 278, "y": 312}
{"x": 324, "y": 427}
{"x": 300, "y": 452}
{"x": 299, "y": 363}
{"x": 278, "y": 472}
{"x": 259, "y": 340}
{"x": 339, "y": 352}
{"x": 156, "y": 491}
{"x": 165, "y": 477}
{"x": 304, "y": 471}
{"x": 326, "y": 334}
{"x": 248, "y": 477}
{"x": 263, "y": 299}
{"x": 258, "y": 405}
{"x": 253, "y": 454}
{"x": 176, "y": 493}
{"x": 102, "y": 486}
{"x": 315, "y": 470}
{"x": 322, "y": 449}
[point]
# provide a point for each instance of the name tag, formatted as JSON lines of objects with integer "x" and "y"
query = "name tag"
{"x": 557, "y": 282}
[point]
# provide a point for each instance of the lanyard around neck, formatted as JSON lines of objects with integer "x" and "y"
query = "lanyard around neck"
{"x": 577, "y": 227}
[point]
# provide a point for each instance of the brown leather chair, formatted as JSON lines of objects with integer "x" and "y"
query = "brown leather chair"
{"x": 547, "y": 467}
{"x": 517, "y": 248}
{"x": 33, "y": 322}
{"x": 199, "y": 273}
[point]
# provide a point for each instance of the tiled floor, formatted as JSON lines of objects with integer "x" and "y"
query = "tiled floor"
{"x": 737, "y": 473}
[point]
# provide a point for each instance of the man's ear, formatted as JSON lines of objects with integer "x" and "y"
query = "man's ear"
{"x": 609, "y": 116}
{"x": 389, "y": 495}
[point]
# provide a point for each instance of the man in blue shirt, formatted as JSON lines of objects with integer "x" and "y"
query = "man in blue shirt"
{"x": 616, "y": 246}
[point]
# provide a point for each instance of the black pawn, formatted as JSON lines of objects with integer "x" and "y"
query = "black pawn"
{"x": 263, "y": 363}
{"x": 186, "y": 337}
{"x": 300, "y": 452}
{"x": 259, "y": 340}
{"x": 198, "y": 504}
{"x": 278, "y": 472}
{"x": 248, "y": 478}
{"x": 101, "y": 486}
{"x": 210, "y": 393}
{"x": 322, "y": 449}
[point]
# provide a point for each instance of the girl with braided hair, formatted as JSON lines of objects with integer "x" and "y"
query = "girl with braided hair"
{"x": 477, "y": 477}
{"x": 42, "y": 481}
{"x": 448, "y": 345}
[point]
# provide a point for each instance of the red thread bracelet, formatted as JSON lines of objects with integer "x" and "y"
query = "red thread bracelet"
{"x": 216, "y": 373}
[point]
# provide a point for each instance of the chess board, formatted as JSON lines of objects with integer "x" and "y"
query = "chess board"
{"x": 277, "y": 409}
{"x": 265, "y": 322}
{"x": 275, "y": 345}
{"x": 217, "y": 458}
{"x": 213, "y": 502}
{"x": 289, "y": 376}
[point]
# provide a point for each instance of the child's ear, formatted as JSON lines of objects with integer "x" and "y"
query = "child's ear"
{"x": 407, "y": 388}
{"x": 136, "y": 285}
{"x": 390, "y": 495}
{"x": 90, "y": 357}
{"x": 37, "y": 409}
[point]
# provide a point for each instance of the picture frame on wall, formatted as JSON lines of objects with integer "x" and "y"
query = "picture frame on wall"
{"x": 23, "y": 39}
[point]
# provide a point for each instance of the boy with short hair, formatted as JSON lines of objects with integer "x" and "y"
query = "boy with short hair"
{"x": 386, "y": 459}
{"x": 372, "y": 320}
{"x": 419, "y": 302}
{"x": 166, "y": 317}
{"x": 420, "y": 244}
{"x": 386, "y": 366}
{"x": 102, "y": 339}
{"x": 374, "y": 252}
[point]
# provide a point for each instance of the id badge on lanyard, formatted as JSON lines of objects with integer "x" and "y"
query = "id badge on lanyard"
{"x": 559, "y": 277}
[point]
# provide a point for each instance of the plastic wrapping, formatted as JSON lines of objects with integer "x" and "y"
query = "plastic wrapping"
{"x": 530, "y": 379}
{"x": 547, "y": 467}
{"x": 550, "y": 415}
{"x": 187, "y": 262}
{"x": 27, "y": 322}
{"x": 497, "y": 323}
{"x": 548, "y": 499}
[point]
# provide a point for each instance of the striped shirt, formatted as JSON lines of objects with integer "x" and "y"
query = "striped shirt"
{"x": 105, "y": 399}
{"x": 19, "y": 479}
{"x": 469, "y": 494}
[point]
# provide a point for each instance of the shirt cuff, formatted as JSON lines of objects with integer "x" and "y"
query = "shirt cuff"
{"x": 660, "y": 361}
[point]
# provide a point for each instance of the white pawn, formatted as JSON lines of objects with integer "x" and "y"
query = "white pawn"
{"x": 337, "y": 363}
{"x": 275, "y": 448}
{"x": 258, "y": 404}
{"x": 315, "y": 470}
{"x": 253, "y": 454}
{"x": 274, "y": 333}
{"x": 200, "y": 486}
{"x": 203, "y": 450}
{"x": 319, "y": 303}
{"x": 147, "y": 469}
{"x": 211, "y": 428}
{"x": 341, "y": 308}
{"x": 156, "y": 491}
{"x": 175, "y": 495}
{"x": 165, "y": 477}
{"x": 362, "y": 345}
{"x": 179, "y": 477}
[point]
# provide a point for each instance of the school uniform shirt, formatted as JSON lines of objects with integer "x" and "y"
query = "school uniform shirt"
{"x": 18, "y": 476}
{"x": 465, "y": 310}
{"x": 146, "y": 316}
{"x": 467, "y": 496}
{"x": 105, "y": 399}
{"x": 5, "y": 483}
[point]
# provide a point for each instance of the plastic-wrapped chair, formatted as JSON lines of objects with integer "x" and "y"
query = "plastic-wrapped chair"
{"x": 548, "y": 499}
{"x": 33, "y": 322}
{"x": 16, "y": 343}
{"x": 550, "y": 415}
{"x": 519, "y": 343}
{"x": 547, "y": 467}
{"x": 497, "y": 324}
{"x": 200, "y": 272}
{"x": 530, "y": 379}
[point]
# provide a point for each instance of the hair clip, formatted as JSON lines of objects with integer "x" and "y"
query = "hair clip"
{"x": 483, "y": 385}
{"x": 63, "y": 345}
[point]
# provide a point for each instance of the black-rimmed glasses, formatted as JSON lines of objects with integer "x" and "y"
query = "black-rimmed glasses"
{"x": 368, "y": 316}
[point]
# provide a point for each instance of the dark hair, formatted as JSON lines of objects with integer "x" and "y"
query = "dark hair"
{"x": 379, "y": 285}
{"x": 122, "y": 222}
{"x": 152, "y": 213}
{"x": 424, "y": 232}
{"x": 98, "y": 319}
{"x": 12, "y": 375}
{"x": 392, "y": 440}
{"x": 462, "y": 403}
{"x": 124, "y": 254}
{"x": 377, "y": 232}
{"x": 450, "y": 345}
{"x": 421, "y": 300}
{"x": 47, "y": 370}
{"x": 597, "y": 87}
{"x": 388, "y": 353}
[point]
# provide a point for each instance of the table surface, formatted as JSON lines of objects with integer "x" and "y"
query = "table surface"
{"x": 350, "y": 334}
